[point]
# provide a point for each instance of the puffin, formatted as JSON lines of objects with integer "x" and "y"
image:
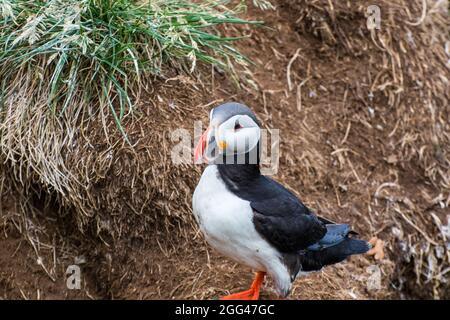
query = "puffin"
{"x": 252, "y": 218}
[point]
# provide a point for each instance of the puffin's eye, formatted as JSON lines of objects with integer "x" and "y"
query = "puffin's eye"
{"x": 237, "y": 126}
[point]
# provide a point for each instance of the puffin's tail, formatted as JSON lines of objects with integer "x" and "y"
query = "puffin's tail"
{"x": 334, "y": 247}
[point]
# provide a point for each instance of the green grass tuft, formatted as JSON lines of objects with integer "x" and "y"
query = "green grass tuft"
{"x": 100, "y": 49}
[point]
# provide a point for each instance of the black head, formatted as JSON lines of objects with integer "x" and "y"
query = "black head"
{"x": 233, "y": 133}
{"x": 228, "y": 110}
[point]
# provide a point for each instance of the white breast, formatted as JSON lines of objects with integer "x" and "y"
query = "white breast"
{"x": 226, "y": 222}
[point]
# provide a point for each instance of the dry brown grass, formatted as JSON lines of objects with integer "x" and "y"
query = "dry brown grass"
{"x": 401, "y": 84}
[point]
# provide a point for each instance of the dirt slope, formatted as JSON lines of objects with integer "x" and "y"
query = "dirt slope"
{"x": 339, "y": 146}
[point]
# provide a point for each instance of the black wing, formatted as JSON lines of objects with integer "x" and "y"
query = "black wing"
{"x": 283, "y": 220}
{"x": 279, "y": 216}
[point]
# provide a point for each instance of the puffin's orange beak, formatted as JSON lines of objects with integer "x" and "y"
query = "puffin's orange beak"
{"x": 201, "y": 146}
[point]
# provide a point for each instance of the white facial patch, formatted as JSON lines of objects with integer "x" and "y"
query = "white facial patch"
{"x": 238, "y": 135}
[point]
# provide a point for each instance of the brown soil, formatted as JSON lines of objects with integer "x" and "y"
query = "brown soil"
{"x": 334, "y": 154}
{"x": 152, "y": 270}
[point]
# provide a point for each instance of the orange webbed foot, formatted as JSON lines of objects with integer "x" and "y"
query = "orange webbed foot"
{"x": 252, "y": 293}
{"x": 244, "y": 295}
{"x": 377, "y": 248}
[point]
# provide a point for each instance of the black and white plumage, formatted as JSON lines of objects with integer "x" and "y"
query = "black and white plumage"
{"x": 255, "y": 220}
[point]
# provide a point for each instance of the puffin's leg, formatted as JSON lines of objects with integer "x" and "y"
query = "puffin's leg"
{"x": 252, "y": 293}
